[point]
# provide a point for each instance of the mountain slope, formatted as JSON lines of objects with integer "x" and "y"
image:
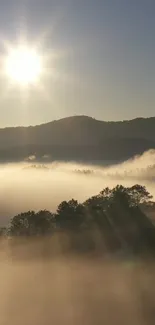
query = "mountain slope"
{"x": 79, "y": 138}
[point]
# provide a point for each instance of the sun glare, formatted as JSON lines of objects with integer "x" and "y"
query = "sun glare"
{"x": 23, "y": 66}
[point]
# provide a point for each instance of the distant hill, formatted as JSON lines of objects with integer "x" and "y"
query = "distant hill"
{"x": 78, "y": 138}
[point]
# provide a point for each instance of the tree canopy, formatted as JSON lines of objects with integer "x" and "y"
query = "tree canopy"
{"x": 114, "y": 215}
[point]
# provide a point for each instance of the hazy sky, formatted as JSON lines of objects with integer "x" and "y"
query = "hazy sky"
{"x": 105, "y": 65}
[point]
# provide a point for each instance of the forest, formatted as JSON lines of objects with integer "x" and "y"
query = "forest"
{"x": 113, "y": 222}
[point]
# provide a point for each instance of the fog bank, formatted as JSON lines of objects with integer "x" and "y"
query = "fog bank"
{"x": 28, "y": 186}
{"x": 75, "y": 291}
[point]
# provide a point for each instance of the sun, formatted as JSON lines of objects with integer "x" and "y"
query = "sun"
{"x": 23, "y": 65}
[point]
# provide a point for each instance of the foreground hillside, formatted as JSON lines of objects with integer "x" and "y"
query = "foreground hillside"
{"x": 78, "y": 138}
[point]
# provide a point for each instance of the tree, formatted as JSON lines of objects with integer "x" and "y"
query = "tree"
{"x": 31, "y": 223}
{"x": 111, "y": 220}
{"x": 117, "y": 213}
{"x": 70, "y": 215}
{"x": 138, "y": 195}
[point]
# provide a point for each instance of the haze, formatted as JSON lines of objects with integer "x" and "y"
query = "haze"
{"x": 85, "y": 79}
{"x": 24, "y": 187}
{"x": 101, "y": 64}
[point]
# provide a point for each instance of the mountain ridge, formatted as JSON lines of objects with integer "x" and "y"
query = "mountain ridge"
{"x": 79, "y": 117}
{"x": 79, "y": 137}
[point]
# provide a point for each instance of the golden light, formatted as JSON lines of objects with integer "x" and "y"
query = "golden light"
{"x": 29, "y": 68}
{"x": 23, "y": 65}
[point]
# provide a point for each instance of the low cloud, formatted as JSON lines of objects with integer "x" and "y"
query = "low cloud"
{"x": 33, "y": 187}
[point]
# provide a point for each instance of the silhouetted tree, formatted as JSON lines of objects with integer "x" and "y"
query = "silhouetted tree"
{"x": 138, "y": 195}
{"x": 112, "y": 219}
{"x": 70, "y": 215}
{"x": 118, "y": 210}
{"x": 31, "y": 223}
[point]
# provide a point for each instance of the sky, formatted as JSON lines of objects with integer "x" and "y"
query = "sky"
{"x": 101, "y": 65}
